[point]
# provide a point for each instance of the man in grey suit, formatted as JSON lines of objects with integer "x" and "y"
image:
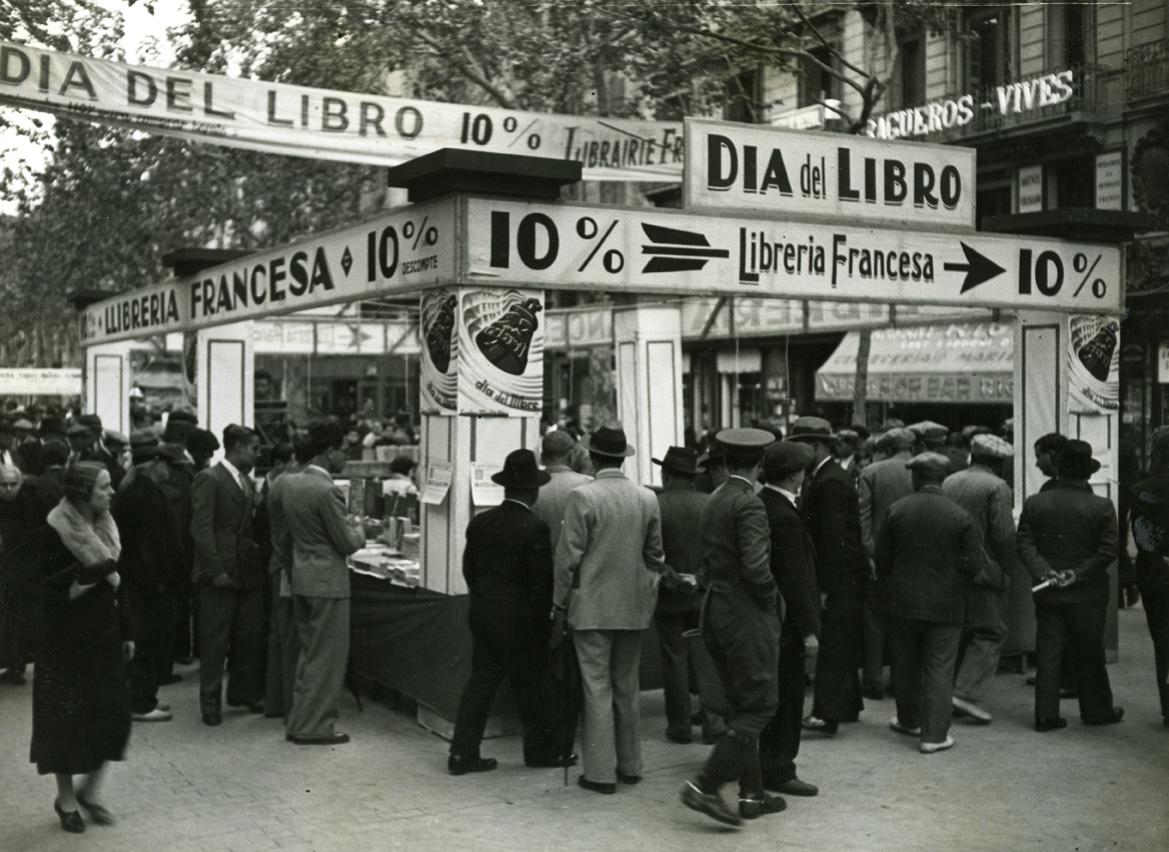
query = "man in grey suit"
{"x": 607, "y": 567}
{"x": 981, "y": 491}
{"x": 313, "y": 511}
{"x": 554, "y": 451}
{"x": 230, "y": 577}
{"x": 881, "y": 484}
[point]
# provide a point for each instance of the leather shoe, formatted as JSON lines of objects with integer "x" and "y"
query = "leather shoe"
{"x": 934, "y": 748}
{"x": 335, "y": 738}
{"x": 755, "y": 807}
{"x": 795, "y": 787}
{"x": 99, "y": 814}
{"x": 819, "y": 726}
{"x": 155, "y": 715}
{"x": 680, "y": 737}
{"x": 964, "y": 708}
{"x": 908, "y": 730}
{"x": 607, "y": 789}
{"x": 627, "y": 779}
{"x": 212, "y": 718}
{"x": 457, "y": 765}
{"x": 550, "y": 761}
{"x": 1111, "y": 719}
{"x": 70, "y": 820}
{"x": 711, "y": 804}
{"x": 874, "y": 693}
{"x": 1054, "y": 724}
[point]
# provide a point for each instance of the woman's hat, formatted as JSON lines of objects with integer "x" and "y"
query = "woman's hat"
{"x": 1076, "y": 461}
{"x": 681, "y": 460}
{"x": 610, "y": 441}
{"x": 520, "y": 471}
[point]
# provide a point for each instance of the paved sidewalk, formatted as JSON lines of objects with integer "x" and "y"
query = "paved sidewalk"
{"x": 242, "y": 787}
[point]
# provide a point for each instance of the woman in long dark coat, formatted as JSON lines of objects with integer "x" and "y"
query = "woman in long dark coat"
{"x": 81, "y": 706}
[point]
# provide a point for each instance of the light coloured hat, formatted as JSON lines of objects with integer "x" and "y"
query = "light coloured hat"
{"x": 991, "y": 446}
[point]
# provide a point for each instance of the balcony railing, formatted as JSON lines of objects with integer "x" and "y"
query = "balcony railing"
{"x": 1146, "y": 71}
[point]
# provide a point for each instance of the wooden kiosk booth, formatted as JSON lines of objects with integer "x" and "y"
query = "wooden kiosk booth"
{"x": 767, "y": 213}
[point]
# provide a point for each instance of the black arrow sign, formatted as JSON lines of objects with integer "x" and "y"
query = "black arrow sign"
{"x": 978, "y": 268}
{"x": 678, "y": 251}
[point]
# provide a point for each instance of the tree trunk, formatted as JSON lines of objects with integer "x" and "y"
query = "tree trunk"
{"x": 860, "y": 387}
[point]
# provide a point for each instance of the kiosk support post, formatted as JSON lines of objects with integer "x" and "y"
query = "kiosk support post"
{"x": 224, "y": 369}
{"x": 107, "y": 384}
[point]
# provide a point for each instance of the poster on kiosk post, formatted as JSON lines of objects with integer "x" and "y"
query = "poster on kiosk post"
{"x": 483, "y": 352}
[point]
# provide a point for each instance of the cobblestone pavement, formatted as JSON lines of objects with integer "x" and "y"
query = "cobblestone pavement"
{"x": 242, "y": 787}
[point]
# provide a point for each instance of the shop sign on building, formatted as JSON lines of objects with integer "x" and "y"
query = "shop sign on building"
{"x": 1110, "y": 181}
{"x": 636, "y": 250}
{"x": 1030, "y": 189}
{"x": 827, "y": 176}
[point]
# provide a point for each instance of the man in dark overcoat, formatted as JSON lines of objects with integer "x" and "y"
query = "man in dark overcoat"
{"x": 793, "y": 564}
{"x": 881, "y": 485}
{"x": 1068, "y": 535}
{"x": 981, "y": 491}
{"x": 741, "y": 628}
{"x": 508, "y": 568}
{"x": 150, "y": 559}
{"x": 677, "y": 609}
{"x": 1150, "y": 529}
{"x": 926, "y": 551}
{"x": 832, "y": 514}
{"x": 229, "y": 576}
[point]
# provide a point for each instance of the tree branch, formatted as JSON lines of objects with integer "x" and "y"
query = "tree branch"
{"x": 502, "y": 99}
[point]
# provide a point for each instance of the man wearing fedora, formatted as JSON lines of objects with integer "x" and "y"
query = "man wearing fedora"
{"x": 508, "y": 568}
{"x": 554, "y": 452}
{"x": 793, "y": 564}
{"x": 677, "y": 610}
{"x": 607, "y": 567}
{"x": 1068, "y": 535}
{"x": 741, "y": 630}
{"x": 832, "y": 514}
{"x": 981, "y": 491}
{"x": 926, "y": 551}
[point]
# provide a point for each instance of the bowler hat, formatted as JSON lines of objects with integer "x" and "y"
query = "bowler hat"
{"x": 783, "y": 458}
{"x": 811, "y": 429}
{"x": 520, "y": 471}
{"x": 680, "y": 460}
{"x": 933, "y": 463}
{"x": 1076, "y": 461}
{"x": 609, "y": 440}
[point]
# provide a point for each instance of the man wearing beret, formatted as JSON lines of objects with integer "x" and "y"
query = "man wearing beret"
{"x": 322, "y": 537}
{"x": 677, "y": 609}
{"x": 981, "y": 491}
{"x": 1067, "y": 538}
{"x": 881, "y": 485}
{"x": 832, "y": 514}
{"x": 793, "y": 564}
{"x": 508, "y": 568}
{"x": 150, "y": 560}
{"x": 741, "y": 621}
{"x": 926, "y": 551}
{"x": 608, "y": 563}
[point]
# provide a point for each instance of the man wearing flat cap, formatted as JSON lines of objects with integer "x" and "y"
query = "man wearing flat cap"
{"x": 926, "y": 551}
{"x": 554, "y": 451}
{"x": 150, "y": 564}
{"x": 981, "y": 491}
{"x": 607, "y": 567}
{"x": 931, "y": 436}
{"x": 1067, "y": 538}
{"x": 508, "y": 568}
{"x": 832, "y": 514}
{"x": 881, "y": 485}
{"x": 793, "y": 564}
{"x": 741, "y": 630}
{"x": 677, "y": 610}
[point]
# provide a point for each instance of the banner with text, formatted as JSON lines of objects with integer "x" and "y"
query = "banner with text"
{"x": 326, "y": 124}
{"x": 403, "y": 250}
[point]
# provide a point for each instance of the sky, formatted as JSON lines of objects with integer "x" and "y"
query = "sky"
{"x": 143, "y": 32}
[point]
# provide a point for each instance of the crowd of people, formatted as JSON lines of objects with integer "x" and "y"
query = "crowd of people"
{"x": 114, "y": 552}
{"x": 120, "y": 557}
{"x": 891, "y": 549}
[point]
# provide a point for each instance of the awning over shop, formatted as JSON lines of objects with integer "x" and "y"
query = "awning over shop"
{"x": 956, "y": 363}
